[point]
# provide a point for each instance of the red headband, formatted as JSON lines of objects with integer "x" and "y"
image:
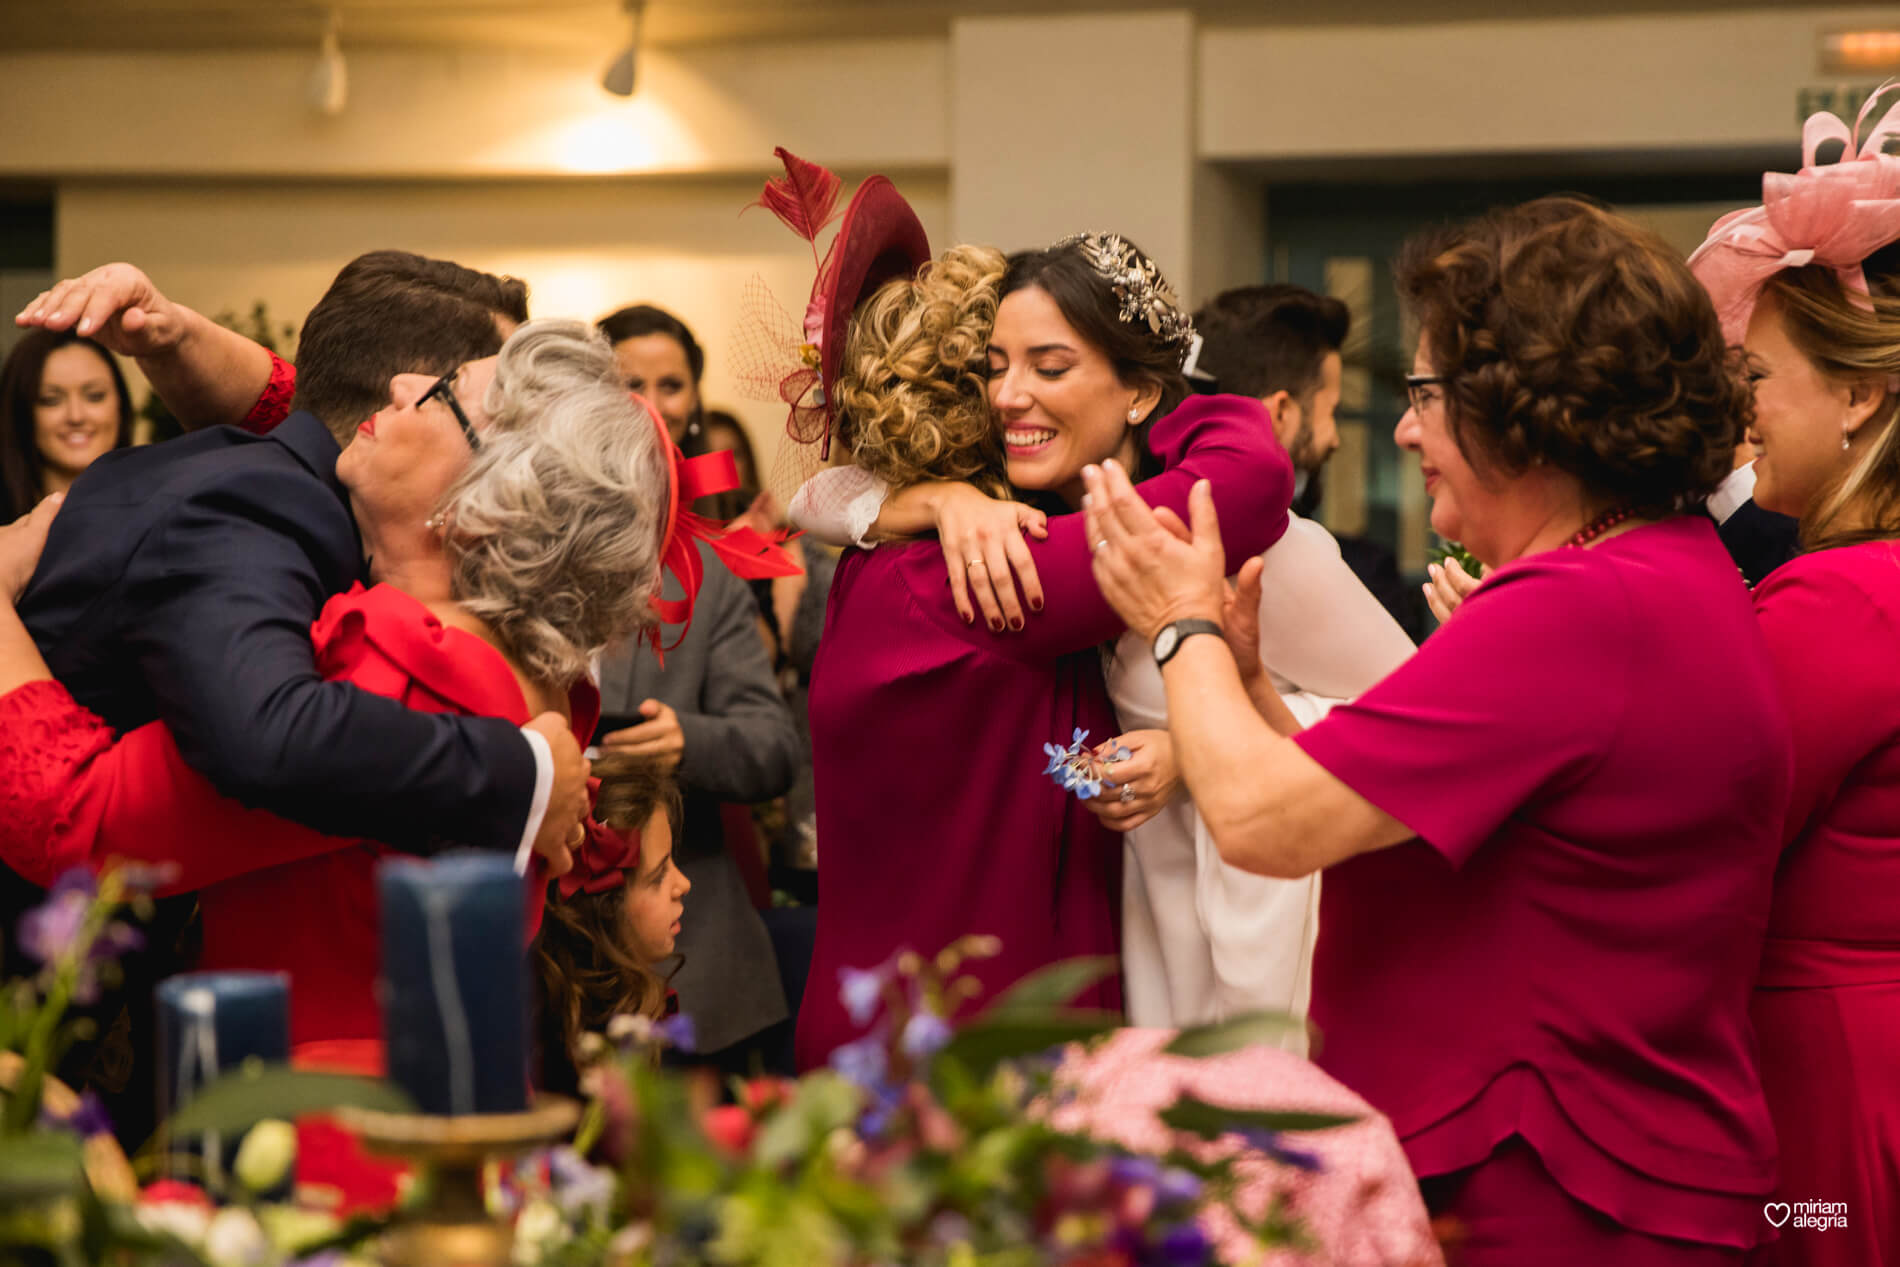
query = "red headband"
{"x": 602, "y": 862}
{"x": 749, "y": 554}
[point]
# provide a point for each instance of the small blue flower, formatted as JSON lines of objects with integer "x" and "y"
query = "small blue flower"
{"x": 578, "y": 1187}
{"x": 1177, "y": 1187}
{"x": 860, "y": 990}
{"x": 679, "y": 1031}
{"x": 1270, "y": 1143}
{"x": 886, "y": 1099}
{"x": 864, "y": 1062}
{"x": 87, "y": 1119}
{"x": 924, "y": 1035}
{"x": 1183, "y": 1246}
{"x": 1079, "y": 736}
{"x": 1134, "y": 1172}
{"x": 52, "y": 928}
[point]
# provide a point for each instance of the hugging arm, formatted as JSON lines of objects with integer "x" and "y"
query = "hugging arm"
{"x": 204, "y": 372}
{"x": 225, "y": 595}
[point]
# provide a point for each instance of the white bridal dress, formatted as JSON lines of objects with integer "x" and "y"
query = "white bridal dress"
{"x": 1201, "y": 940}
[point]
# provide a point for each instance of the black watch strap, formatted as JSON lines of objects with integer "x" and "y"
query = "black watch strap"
{"x": 1172, "y": 635}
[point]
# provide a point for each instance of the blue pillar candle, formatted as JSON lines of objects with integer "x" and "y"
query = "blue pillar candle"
{"x": 455, "y": 982}
{"x": 210, "y": 1023}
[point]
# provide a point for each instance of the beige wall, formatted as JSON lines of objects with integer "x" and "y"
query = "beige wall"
{"x": 1061, "y": 124}
{"x": 212, "y": 169}
{"x": 586, "y": 247}
{"x": 1639, "y": 82}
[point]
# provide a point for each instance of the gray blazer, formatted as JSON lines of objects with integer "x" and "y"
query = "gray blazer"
{"x": 740, "y": 746}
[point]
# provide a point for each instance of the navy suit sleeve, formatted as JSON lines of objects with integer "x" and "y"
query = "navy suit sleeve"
{"x": 223, "y": 592}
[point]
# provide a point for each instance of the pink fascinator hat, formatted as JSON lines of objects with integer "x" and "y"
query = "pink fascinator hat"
{"x": 1834, "y": 216}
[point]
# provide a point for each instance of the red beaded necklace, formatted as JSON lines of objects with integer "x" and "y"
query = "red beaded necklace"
{"x": 1596, "y": 528}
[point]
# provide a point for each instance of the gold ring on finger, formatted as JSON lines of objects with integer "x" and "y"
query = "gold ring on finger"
{"x": 976, "y": 563}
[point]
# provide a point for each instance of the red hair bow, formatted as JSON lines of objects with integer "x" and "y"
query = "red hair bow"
{"x": 602, "y": 863}
{"x": 748, "y": 553}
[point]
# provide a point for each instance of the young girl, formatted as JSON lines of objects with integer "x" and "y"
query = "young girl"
{"x": 613, "y": 918}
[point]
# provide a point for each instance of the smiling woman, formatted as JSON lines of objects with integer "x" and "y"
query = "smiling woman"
{"x": 64, "y": 403}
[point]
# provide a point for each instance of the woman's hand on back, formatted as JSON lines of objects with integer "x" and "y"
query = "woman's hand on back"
{"x": 987, "y": 558}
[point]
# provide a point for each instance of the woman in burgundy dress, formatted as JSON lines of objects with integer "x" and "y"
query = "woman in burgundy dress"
{"x": 483, "y": 498}
{"x": 928, "y": 727}
{"x": 1823, "y": 347}
{"x": 1550, "y": 836}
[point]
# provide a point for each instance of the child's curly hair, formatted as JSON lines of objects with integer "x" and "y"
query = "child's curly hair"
{"x": 913, "y": 389}
{"x": 589, "y": 973}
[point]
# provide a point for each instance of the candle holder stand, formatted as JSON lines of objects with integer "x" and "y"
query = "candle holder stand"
{"x": 454, "y": 1228}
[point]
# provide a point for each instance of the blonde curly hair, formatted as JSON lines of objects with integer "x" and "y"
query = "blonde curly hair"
{"x": 913, "y": 389}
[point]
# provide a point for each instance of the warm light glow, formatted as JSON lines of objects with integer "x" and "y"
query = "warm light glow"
{"x": 1860, "y": 52}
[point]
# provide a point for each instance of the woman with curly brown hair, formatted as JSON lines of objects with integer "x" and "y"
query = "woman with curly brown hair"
{"x": 1822, "y": 340}
{"x": 927, "y": 726}
{"x": 1550, "y": 836}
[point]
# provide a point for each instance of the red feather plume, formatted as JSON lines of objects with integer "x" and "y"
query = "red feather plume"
{"x": 805, "y": 198}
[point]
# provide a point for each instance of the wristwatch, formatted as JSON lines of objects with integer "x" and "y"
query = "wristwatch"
{"x": 1169, "y": 640}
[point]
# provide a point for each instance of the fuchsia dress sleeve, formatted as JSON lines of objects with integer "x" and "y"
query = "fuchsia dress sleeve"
{"x": 1595, "y": 760}
{"x": 1827, "y": 1008}
{"x": 1226, "y": 440}
{"x": 274, "y": 896}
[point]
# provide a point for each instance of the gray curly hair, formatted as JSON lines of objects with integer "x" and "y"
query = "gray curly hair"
{"x": 555, "y": 524}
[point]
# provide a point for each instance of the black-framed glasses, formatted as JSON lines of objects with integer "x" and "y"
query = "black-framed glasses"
{"x": 1415, "y": 385}
{"x": 443, "y": 389}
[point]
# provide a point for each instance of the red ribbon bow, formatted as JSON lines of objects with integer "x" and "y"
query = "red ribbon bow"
{"x": 748, "y": 553}
{"x": 602, "y": 862}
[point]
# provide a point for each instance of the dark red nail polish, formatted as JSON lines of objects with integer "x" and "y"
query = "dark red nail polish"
{"x": 1035, "y": 604}
{"x": 1016, "y": 622}
{"x": 996, "y": 626}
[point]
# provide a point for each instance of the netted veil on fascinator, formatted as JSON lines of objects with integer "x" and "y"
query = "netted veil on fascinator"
{"x": 879, "y": 237}
{"x": 1834, "y": 215}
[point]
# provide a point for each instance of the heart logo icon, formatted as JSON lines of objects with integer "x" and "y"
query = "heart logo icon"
{"x": 1777, "y": 1212}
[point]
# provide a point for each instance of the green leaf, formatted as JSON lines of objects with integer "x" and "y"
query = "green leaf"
{"x": 40, "y": 1164}
{"x": 1235, "y": 1034}
{"x": 1054, "y": 986}
{"x": 1211, "y": 1121}
{"x": 999, "y": 1035}
{"x": 247, "y": 1096}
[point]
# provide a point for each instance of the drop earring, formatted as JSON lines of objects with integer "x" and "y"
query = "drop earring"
{"x": 1844, "y": 441}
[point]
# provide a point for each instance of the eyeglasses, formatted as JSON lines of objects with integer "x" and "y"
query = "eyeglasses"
{"x": 1415, "y": 390}
{"x": 443, "y": 389}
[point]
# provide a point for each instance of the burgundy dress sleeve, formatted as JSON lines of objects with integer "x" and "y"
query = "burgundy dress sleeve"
{"x": 273, "y": 406}
{"x": 1832, "y": 647}
{"x": 1520, "y": 693}
{"x": 1226, "y": 440}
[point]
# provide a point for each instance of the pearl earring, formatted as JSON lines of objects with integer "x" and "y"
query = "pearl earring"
{"x": 1133, "y": 413}
{"x": 433, "y": 523}
{"x": 1844, "y": 442}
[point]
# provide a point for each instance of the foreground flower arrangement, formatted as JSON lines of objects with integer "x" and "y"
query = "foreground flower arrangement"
{"x": 923, "y": 1144}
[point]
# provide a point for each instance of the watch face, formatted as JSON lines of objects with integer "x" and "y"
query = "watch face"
{"x": 1164, "y": 642}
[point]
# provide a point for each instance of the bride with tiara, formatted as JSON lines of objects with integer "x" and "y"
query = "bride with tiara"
{"x": 980, "y": 377}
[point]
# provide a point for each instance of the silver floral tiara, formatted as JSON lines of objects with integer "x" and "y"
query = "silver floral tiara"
{"x": 1145, "y": 296}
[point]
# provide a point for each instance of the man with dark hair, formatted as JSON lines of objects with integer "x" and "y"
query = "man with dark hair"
{"x": 389, "y": 313}
{"x": 179, "y": 582}
{"x": 1280, "y": 344}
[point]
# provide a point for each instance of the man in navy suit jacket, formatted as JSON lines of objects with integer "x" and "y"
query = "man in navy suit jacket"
{"x": 180, "y": 581}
